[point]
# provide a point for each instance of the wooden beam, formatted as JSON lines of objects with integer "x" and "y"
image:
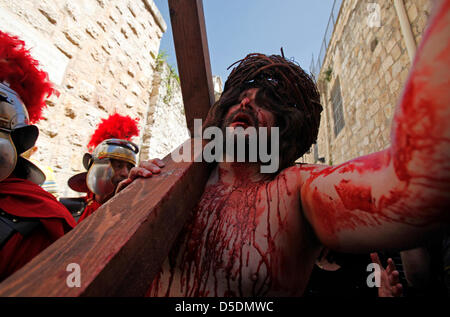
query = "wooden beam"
{"x": 194, "y": 67}
{"x": 119, "y": 248}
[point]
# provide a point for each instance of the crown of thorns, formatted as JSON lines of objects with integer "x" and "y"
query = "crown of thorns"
{"x": 287, "y": 80}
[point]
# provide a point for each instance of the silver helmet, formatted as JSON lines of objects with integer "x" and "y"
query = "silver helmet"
{"x": 16, "y": 136}
{"x": 100, "y": 171}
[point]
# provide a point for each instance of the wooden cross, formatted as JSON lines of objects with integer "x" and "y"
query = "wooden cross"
{"x": 121, "y": 247}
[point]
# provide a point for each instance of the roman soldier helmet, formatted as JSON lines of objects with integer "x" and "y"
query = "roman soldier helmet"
{"x": 111, "y": 140}
{"x": 23, "y": 89}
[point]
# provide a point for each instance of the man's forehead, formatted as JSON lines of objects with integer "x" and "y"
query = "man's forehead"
{"x": 250, "y": 93}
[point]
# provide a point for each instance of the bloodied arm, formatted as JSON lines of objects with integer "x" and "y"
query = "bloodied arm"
{"x": 390, "y": 199}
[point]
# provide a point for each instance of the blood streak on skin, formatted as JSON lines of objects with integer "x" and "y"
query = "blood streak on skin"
{"x": 418, "y": 124}
{"x": 219, "y": 240}
{"x": 224, "y": 223}
{"x": 355, "y": 197}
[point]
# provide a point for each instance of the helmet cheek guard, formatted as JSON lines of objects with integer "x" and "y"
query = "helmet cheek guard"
{"x": 99, "y": 178}
{"x": 16, "y": 136}
{"x": 100, "y": 174}
{"x": 25, "y": 137}
{"x": 8, "y": 155}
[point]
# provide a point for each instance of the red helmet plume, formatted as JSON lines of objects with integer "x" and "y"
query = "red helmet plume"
{"x": 114, "y": 127}
{"x": 20, "y": 70}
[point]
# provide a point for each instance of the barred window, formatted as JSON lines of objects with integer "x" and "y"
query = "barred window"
{"x": 316, "y": 153}
{"x": 338, "y": 114}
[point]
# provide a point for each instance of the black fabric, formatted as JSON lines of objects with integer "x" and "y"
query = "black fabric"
{"x": 76, "y": 206}
{"x": 6, "y": 232}
{"x": 348, "y": 281}
{"x": 9, "y": 225}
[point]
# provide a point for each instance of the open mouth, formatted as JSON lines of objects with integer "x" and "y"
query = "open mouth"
{"x": 242, "y": 120}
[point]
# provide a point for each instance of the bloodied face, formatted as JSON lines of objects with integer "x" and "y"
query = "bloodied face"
{"x": 284, "y": 96}
{"x": 252, "y": 131}
{"x": 247, "y": 113}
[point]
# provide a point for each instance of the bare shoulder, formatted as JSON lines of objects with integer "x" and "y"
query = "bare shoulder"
{"x": 293, "y": 177}
{"x": 302, "y": 172}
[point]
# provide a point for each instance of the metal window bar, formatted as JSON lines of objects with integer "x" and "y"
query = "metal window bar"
{"x": 316, "y": 153}
{"x": 338, "y": 113}
{"x": 316, "y": 66}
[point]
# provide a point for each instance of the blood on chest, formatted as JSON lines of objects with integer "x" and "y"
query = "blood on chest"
{"x": 242, "y": 242}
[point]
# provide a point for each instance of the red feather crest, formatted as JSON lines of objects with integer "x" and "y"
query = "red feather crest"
{"x": 20, "y": 70}
{"x": 114, "y": 127}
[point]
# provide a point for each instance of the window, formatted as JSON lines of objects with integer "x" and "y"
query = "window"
{"x": 316, "y": 153}
{"x": 338, "y": 114}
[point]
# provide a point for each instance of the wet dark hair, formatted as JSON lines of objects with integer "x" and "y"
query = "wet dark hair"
{"x": 286, "y": 90}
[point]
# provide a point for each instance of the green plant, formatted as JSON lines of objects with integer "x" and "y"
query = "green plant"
{"x": 160, "y": 60}
{"x": 328, "y": 73}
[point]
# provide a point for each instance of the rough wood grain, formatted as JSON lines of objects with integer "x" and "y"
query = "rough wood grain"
{"x": 194, "y": 67}
{"x": 121, "y": 246}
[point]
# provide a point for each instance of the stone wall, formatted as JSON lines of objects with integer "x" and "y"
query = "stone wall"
{"x": 371, "y": 64}
{"x": 100, "y": 55}
{"x": 166, "y": 123}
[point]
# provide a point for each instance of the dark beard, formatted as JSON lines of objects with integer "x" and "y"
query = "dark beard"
{"x": 252, "y": 122}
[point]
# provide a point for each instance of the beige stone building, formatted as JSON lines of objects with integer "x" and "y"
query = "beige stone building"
{"x": 101, "y": 55}
{"x": 362, "y": 75}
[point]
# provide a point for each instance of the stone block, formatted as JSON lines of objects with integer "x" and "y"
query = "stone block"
{"x": 117, "y": 92}
{"x": 124, "y": 81}
{"x": 388, "y": 109}
{"x": 107, "y": 48}
{"x": 69, "y": 112}
{"x": 121, "y": 59}
{"x": 394, "y": 87}
{"x": 387, "y": 77}
{"x": 101, "y": 3}
{"x": 74, "y": 35}
{"x": 64, "y": 46}
{"x": 93, "y": 31}
{"x": 50, "y": 11}
{"x": 98, "y": 55}
{"x": 397, "y": 68}
{"x": 390, "y": 44}
{"x": 73, "y": 10}
{"x": 103, "y": 24}
{"x": 105, "y": 82}
{"x": 403, "y": 76}
{"x": 133, "y": 9}
{"x": 85, "y": 90}
{"x": 387, "y": 63}
{"x": 103, "y": 102}
{"x": 412, "y": 13}
{"x": 134, "y": 28}
{"x": 113, "y": 16}
{"x": 119, "y": 8}
{"x": 396, "y": 52}
{"x": 125, "y": 32}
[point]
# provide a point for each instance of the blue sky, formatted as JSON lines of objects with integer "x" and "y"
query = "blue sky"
{"x": 236, "y": 28}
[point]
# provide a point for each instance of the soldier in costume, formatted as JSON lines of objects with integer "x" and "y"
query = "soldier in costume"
{"x": 30, "y": 218}
{"x": 111, "y": 161}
